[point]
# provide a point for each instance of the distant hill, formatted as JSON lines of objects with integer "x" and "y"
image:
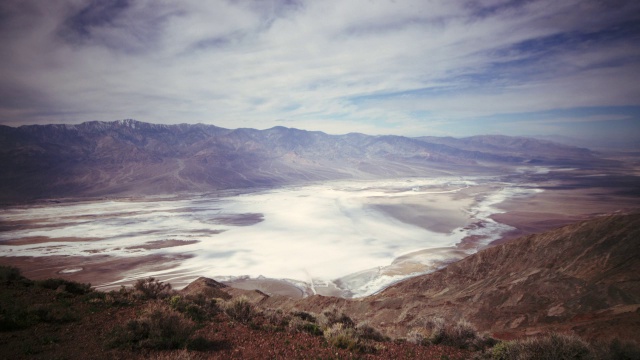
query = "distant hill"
{"x": 129, "y": 157}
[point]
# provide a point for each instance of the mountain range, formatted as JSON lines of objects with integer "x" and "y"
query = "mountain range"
{"x": 129, "y": 157}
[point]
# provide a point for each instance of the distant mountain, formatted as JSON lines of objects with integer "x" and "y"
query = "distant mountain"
{"x": 129, "y": 157}
{"x": 524, "y": 149}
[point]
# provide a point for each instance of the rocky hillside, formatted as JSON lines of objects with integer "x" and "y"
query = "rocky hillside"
{"x": 129, "y": 157}
{"x": 582, "y": 278}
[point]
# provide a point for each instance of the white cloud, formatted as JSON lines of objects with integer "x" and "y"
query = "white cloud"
{"x": 312, "y": 64}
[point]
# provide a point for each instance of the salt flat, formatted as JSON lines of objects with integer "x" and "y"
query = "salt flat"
{"x": 348, "y": 238}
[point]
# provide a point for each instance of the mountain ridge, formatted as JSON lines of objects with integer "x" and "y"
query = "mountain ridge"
{"x": 129, "y": 157}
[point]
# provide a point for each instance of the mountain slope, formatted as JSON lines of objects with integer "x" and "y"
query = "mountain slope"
{"x": 129, "y": 157}
{"x": 582, "y": 277}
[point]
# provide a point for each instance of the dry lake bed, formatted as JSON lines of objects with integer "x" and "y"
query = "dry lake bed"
{"x": 344, "y": 238}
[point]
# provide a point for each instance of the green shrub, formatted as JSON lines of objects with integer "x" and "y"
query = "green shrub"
{"x": 160, "y": 327}
{"x": 239, "y": 309}
{"x": 150, "y": 288}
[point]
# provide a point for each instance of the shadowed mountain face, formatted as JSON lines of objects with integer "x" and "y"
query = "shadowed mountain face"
{"x": 128, "y": 157}
{"x": 581, "y": 277}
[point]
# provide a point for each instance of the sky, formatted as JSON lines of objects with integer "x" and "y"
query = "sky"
{"x": 415, "y": 67}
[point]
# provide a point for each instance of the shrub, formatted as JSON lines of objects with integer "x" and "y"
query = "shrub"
{"x": 150, "y": 288}
{"x": 341, "y": 337}
{"x": 347, "y": 338}
{"x": 297, "y": 324}
{"x": 334, "y": 316}
{"x": 71, "y": 287}
{"x": 619, "y": 350}
{"x": 277, "y": 318}
{"x": 10, "y": 274}
{"x": 239, "y": 309}
{"x": 365, "y": 331}
{"x": 53, "y": 314}
{"x": 550, "y": 347}
{"x": 15, "y": 317}
{"x": 160, "y": 327}
{"x": 304, "y": 316}
{"x": 417, "y": 336}
{"x": 195, "y": 308}
{"x": 461, "y": 334}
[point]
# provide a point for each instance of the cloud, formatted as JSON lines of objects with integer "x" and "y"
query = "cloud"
{"x": 338, "y": 66}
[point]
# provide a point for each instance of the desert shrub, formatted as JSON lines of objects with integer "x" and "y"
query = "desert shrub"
{"x": 150, "y": 288}
{"x": 121, "y": 297}
{"x": 277, "y": 318}
{"x": 550, "y": 347}
{"x": 461, "y": 334}
{"x": 15, "y": 317}
{"x": 53, "y": 314}
{"x": 297, "y": 324}
{"x": 304, "y": 316}
{"x": 239, "y": 309}
{"x": 417, "y": 336}
{"x": 10, "y": 274}
{"x": 618, "y": 350}
{"x": 333, "y": 316}
{"x": 195, "y": 308}
{"x": 160, "y": 327}
{"x": 347, "y": 338}
{"x": 341, "y": 337}
{"x": 367, "y": 332}
{"x": 18, "y": 316}
{"x": 71, "y": 287}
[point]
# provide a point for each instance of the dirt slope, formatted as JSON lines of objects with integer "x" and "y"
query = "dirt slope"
{"x": 581, "y": 278}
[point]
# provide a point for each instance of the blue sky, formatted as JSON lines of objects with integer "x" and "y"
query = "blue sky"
{"x": 424, "y": 67}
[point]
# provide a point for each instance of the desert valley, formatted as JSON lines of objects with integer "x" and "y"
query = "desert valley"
{"x": 304, "y": 220}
